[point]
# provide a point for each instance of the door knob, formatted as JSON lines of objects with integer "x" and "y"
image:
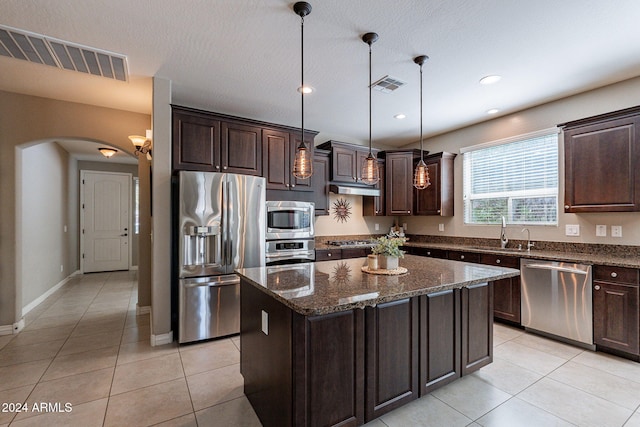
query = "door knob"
{"x": 596, "y": 287}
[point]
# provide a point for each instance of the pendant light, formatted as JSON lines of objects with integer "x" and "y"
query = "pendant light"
{"x": 303, "y": 164}
{"x": 370, "y": 173}
{"x": 421, "y": 176}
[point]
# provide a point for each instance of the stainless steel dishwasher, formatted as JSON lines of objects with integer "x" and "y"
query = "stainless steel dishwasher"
{"x": 557, "y": 300}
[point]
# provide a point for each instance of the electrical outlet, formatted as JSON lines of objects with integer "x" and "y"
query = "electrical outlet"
{"x": 601, "y": 230}
{"x": 376, "y": 227}
{"x": 440, "y": 227}
{"x": 265, "y": 322}
{"x": 616, "y": 231}
{"x": 404, "y": 226}
{"x": 572, "y": 230}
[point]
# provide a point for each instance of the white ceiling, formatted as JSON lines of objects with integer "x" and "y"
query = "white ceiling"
{"x": 242, "y": 57}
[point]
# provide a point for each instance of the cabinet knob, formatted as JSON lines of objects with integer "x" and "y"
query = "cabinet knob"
{"x": 614, "y": 274}
{"x": 287, "y": 185}
{"x": 497, "y": 261}
{"x": 461, "y": 256}
{"x": 596, "y": 287}
{"x": 293, "y": 185}
{"x": 428, "y": 252}
{"x": 224, "y": 167}
{"x": 329, "y": 254}
{"x": 217, "y": 166}
{"x": 567, "y": 206}
{"x": 408, "y": 211}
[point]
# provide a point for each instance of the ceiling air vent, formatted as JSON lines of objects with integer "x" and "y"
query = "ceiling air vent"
{"x": 387, "y": 84}
{"x": 45, "y": 50}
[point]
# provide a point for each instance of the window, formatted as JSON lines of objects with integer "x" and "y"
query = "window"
{"x": 136, "y": 205}
{"x": 515, "y": 178}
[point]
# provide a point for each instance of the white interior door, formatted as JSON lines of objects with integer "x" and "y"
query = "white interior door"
{"x": 105, "y": 214}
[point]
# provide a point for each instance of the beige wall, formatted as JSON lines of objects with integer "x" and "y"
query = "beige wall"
{"x": 328, "y": 225}
{"x": 27, "y": 120}
{"x": 611, "y": 98}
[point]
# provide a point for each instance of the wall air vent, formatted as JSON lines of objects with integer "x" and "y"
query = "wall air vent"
{"x": 45, "y": 50}
{"x": 387, "y": 84}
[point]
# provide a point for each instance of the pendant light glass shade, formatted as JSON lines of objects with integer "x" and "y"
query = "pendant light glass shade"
{"x": 370, "y": 173}
{"x": 421, "y": 176}
{"x": 303, "y": 163}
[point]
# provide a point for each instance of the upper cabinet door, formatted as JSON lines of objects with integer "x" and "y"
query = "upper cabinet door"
{"x": 399, "y": 183}
{"x": 601, "y": 165}
{"x": 276, "y": 159}
{"x": 196, "y": 142}
{"x": 241, "y": 149}
{"x": 344, "y": 165}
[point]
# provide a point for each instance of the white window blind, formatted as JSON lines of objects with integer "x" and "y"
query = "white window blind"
{"x": 517, "y": 180}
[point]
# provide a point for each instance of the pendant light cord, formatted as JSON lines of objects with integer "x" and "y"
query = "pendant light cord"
{"x": 302, "y": 144}
{"x": 421, "y": 151}
{"x": 370, "y": 154}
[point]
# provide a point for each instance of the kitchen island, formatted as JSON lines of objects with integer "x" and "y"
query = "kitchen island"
{"x": 328, "y": 344}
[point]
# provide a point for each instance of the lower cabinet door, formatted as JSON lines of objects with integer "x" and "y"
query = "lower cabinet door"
{"x": 439, "y": 339}
{"x": 615, "y": 317}
{"x": 506, "y": 299}
{"x": 328, "y": 355}
{"x": 477, "y": 327}
{"x": 392, "y": 356}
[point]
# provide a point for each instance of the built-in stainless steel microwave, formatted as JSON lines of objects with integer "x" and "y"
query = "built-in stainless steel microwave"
{"x": 290, "y": 220}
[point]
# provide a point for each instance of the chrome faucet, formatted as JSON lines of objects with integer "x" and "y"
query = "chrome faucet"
{"x": 503, "y": 234}
{"x": 530, "y": 244}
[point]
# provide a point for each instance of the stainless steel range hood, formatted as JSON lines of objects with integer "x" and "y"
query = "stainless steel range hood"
{"x": 356, "y": 191}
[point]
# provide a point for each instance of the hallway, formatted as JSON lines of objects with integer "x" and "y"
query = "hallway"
{"x": 85, "y": 346}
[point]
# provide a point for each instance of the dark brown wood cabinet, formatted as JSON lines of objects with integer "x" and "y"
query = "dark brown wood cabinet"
{"x": 440, "y": 339}
{"x": 375, "y": 205}
{"x": 616, "y": 310}
{"x": 215, "y": 143}
{"x": 328, "y": 254}
{"x": 430, "y": 252}
{"x": 355, "y": 252}
{"x": 346, "y": 160}
{"x": 477, "y": 327}
{"x": 464, "y": 256}
{"x": 602, "y": 163}
{"x": 506, "y": 292}
{"x": 320, "y": 181}
{"x": 391, "y": 339}
{"x": 280, "y": 150}
{"x": 399, "y": 181}
{"x": 437, "y": 198}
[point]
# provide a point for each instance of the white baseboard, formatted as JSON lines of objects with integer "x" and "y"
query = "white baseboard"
{"x": 33, "y": 304}
{"x": 161, "y": 339}
{"x": 12, "y": 329}
{"x": 142, "y": 309}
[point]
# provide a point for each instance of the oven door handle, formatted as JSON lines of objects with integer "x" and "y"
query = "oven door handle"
{"x": 289, "y": 255}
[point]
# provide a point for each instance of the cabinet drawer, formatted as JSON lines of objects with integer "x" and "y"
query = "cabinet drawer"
{"x": 433, "y": 253}
{"x": 464, "y": 256}
{"x": 500, "y": 260}
{"x": 328, "y": 254}
{"x": 615, "y": 274}
{"x": 355, "y": 252}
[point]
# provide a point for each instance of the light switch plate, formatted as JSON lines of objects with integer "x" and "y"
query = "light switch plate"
{"x": 377, "y": 227}
{"x": 616, "y": 231}
{"x": 572, "y": 230}
{"x": 601, "y": 230}
{"x": 440, "y": 227}
{"x": 265, "y": 322}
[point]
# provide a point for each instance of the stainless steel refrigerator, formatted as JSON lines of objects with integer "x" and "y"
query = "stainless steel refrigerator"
{"x": 221, "y": 227}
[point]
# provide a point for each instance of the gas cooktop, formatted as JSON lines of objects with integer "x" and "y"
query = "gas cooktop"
{"x": 350, "y": 243}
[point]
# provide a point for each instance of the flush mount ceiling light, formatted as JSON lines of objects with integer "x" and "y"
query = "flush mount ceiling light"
{"x": 107, "y": 152}
{"x": 400, "y": 116}
{"x": 305, "y": 89}
{"x": 370, "y": 173}
{"x": 492, "y": 111}
{"x": 302, "y": 165}
{"x": 421, "y": 177}
{"x": 489, "y": 80}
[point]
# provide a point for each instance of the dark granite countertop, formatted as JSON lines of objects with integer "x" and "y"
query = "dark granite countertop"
{"x": 630, "y": 260}
{"x": 332, "y": 286}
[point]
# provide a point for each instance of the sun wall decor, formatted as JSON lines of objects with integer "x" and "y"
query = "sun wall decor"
{"x": 341, "y": 210}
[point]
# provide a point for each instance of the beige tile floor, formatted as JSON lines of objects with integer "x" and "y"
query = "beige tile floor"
{"x": 85, "y": 346}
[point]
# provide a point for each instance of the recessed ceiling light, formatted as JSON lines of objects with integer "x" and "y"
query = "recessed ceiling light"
{"x": 305, "y": 89}
{"x": 400, "y": 116}
{"x": 492, "y": 111}
{"x": 489, "y": 80}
